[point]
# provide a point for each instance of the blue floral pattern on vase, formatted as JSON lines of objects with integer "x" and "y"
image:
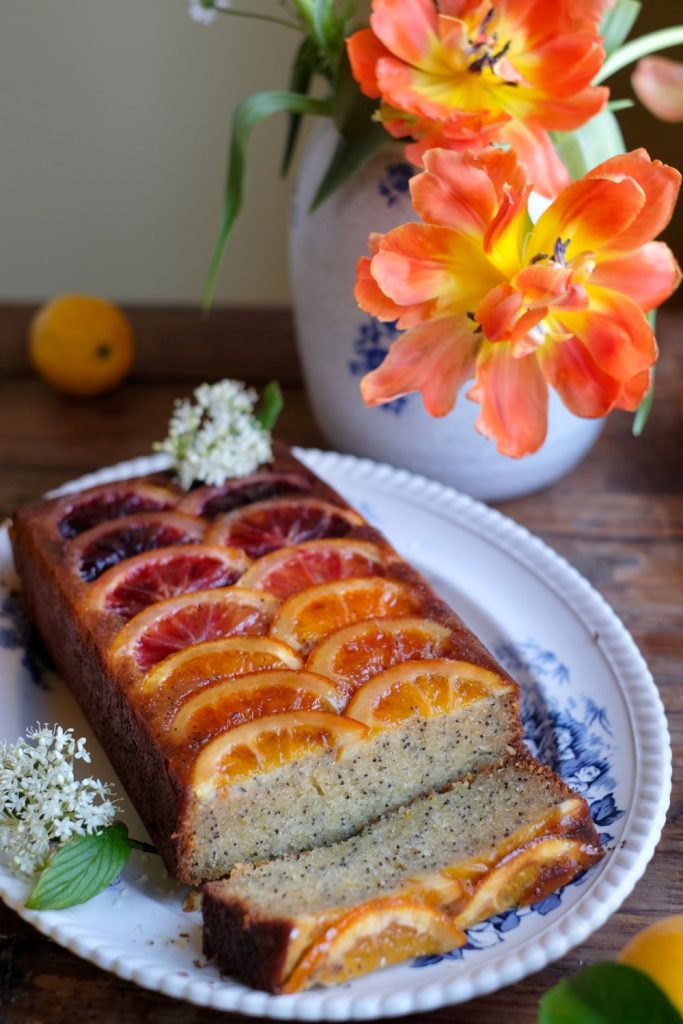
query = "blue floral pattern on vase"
{"x": 575, "y": 738}
{"x": 370, "y": 347}
{"x": 18, "y": 634}
{"x": 394, "y": 184}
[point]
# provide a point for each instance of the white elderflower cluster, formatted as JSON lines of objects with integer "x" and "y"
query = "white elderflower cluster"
{"x": 217, "y": 436}
{"x": 41, "y": 801}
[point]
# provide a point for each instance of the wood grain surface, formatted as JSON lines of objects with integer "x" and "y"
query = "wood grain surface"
{"x": 618, "y": 518}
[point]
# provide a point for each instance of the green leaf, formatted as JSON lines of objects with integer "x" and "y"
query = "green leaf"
{"x": 586, "y": 147}
{"x": 645, "y": 408}
{"x": 616, "y": 105}
{"x": 271, "y": 406}
{"x": 643, "y": 46}
{"x": 303, "y": 69}
{"x": 618, "y": 22}
{"x": 607, "y": 993}
{"x": 360, "y": 136}
{"x": 247, "y": 115}
{"x": 81, "y": 868}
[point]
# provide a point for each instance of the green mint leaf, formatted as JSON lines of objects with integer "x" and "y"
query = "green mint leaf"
{"x": 607, "y": 993}
{"x": 271, "y": 406}
{"x": 81, "y": 868}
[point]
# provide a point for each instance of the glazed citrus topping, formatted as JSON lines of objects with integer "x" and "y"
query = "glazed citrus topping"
{"x": 219, "y": 659}
{"x": 356, "y": 653}
{"x": 377, "y": 934}
{"x": 232, "y": 702}
{"x": 288, "y": 570}
{"x": 268, "y": 525}
{"x": 270, "y": 743}
{"x": 210, "y": 502}
{"x": 106, "y": 545}
{"x": 153, "y": 576}
{"x": 421, "y": 689}
{"x": 169, "y": 626}
{"x": 111, "y": 501}
{"x": 306, "y": 617}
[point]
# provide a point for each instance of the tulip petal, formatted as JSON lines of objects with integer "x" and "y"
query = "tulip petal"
{"x": 434, "y": 359}
{"x": 513, "y": 396}
{"x": 584, "y": 388}
{"x": 658, "y": 84}
{"x": 536, "y": 152}
{"x": 498, "y": 312}
{"x": 615, "y": 331}
{"x": 454, "y": 191}
{"x": 633, "y": 391}
{"x": 659, "y": 183}
{"x": 408, "y": 28}
{"x": 648, "y": 275}
{"x": 364, "y": 50}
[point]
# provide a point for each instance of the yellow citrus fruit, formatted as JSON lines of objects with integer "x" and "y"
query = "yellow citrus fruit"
{"x": 658, "y": 952}
{"x": 81, "y": 345}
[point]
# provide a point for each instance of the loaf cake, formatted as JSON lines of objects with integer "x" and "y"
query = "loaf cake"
{"x": 405, "y": 885}
{"x": 264, "y": 671}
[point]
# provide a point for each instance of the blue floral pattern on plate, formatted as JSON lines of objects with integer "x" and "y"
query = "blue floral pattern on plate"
{"x": 370, "y": 347}
{"x": 574, "y": 737}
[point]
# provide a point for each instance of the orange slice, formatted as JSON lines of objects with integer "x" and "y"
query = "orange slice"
{"x": 219, "y": 659}
{"x": 232, "y": 702}
{"x": 306, "y": 617}
{"x": 111, "y": 542}
{"x": 355, "y": 654}
{"x": 289, "y": 570}
{"x": 377, "y": 934}
{"x": 421, "y": 689}
{"x": 269, "y": 743}
{"x": 153, "y": 576}
{"x": 267, "y": 525}
{"x": 169, "y": 626}
{"x": 526, "y": 876}
{"x": 76, "y": 513}
{"x": 211, "y": 501}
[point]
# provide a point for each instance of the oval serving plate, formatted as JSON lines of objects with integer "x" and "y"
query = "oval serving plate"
{"x": 591, "y": 710}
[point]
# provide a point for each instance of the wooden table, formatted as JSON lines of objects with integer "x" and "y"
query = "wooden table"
{"x": 618, "y": 518}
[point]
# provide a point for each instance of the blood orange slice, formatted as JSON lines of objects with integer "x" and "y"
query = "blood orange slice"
{"x": 168, "y": 626}
{"x": 232, "y": 702}
{"x": 311, "y": 614}
{"x": 377, "y": 934}
{"x": 109, "y": 543}
{"x": 270, "y": 743}
{"x": 288, "y": 570}
{"x": 153, "y": 576}
{"x": 218, "y": 659}
{"x": 79, "y": 512}
{"x": 210, "y": 502}
{"x": 355, "y": 654}
{"x": 422, "y": 689}
{"x": 268, "y": 525}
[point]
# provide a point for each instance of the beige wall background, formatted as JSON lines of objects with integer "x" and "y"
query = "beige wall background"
{"x": 114, "y": 119}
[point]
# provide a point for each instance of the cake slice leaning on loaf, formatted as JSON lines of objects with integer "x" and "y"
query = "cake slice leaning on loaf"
{"x": 316, "y": 683}
{"x": 407, "y": 885}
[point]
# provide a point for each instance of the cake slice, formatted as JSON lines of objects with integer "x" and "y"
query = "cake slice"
{"x": 408, "y": 884}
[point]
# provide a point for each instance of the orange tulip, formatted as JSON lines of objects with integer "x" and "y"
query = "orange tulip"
{"x": 482, "y": 292}
{"x": 466, "y": 73}
{"x": 658, "y": 84}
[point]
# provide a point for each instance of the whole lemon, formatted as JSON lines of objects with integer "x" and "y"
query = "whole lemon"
{"x": 81, "y": 345}
{"x": 658, "y": 952}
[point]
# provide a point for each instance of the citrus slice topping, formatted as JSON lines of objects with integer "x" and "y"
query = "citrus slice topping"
{"x": 168, "y": 626}
{"x": 232, "y": 702}
{"x": 377, "y": 934}
{"x": 210, "y": 502}
{"x": 127, "y": 588}
{"x": 80, "y": 512}
{"x": 268, "y": 525}
{"x": 269, "y": 743}
{"x": 109, "y": 543}
{"x": 355, "y": 654}
{"x": 527, "y": 876}
{"x": 421, "y": 689}
{"x": 218, "y": 659}
{"x": 306, "y": 617}
{"x": 288, "y": 570}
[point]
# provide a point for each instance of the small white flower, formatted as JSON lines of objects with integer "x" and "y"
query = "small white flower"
{"x": 205, "y": 12}
{"x": 217, "y": 436}
{"x": 41, "y": 801}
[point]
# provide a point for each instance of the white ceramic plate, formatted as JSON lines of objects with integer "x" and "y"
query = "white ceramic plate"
{"x": 592, "y": 711}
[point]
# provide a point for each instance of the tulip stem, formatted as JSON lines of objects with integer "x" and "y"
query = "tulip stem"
{"x": 259, "y": 17}
{"x": 632, "y": 51}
